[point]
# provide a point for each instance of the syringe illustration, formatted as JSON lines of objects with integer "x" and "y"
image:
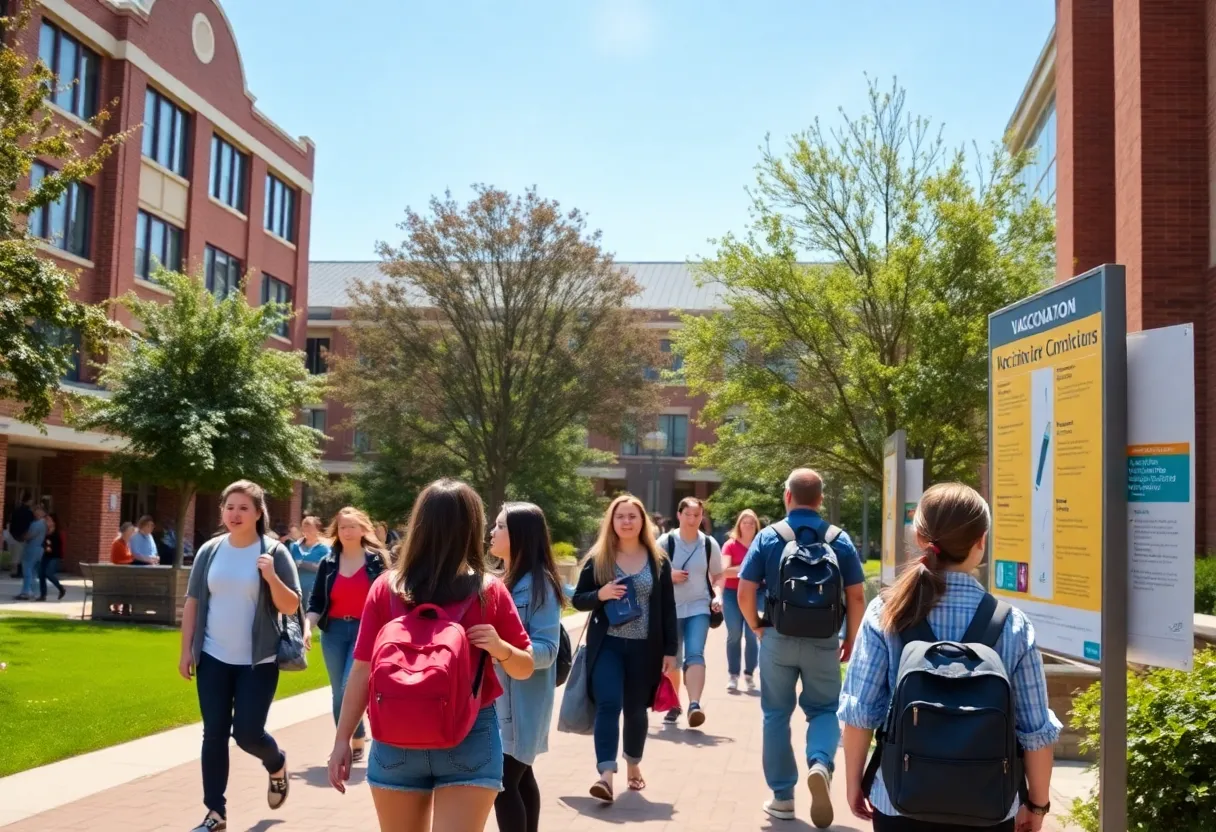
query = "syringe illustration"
{"x": 1038, "y": 477}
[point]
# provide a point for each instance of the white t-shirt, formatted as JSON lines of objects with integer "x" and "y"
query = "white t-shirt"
{"x": 693, "y": 596}
{"x": 233, "y": 582}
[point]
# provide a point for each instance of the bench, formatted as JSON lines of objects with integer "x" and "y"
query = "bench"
{"x": 136, "y": 594}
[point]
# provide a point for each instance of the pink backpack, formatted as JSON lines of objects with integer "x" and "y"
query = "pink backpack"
{"x": 423, "y": 694}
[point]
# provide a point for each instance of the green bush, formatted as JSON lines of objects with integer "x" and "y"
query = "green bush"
{"x": 564, "y": 552}
{"x": 1205, "y": 585}
{"x": 1171, "y": 749}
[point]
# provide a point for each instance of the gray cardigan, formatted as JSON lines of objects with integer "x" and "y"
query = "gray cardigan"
{"x": 266, "y": 623}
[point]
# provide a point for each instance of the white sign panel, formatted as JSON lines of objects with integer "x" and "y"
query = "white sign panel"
{"x": 914, "y": 487}
{"x": 1161, "y": 496}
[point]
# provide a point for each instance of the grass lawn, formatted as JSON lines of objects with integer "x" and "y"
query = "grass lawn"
{"x": 872, "y": 568}
{"x": 75, "y": 686}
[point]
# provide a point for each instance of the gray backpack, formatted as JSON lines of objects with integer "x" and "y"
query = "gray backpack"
{"x": 948, "y": 751}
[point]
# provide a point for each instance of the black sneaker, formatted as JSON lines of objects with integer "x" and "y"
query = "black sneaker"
{"x": 211, "y": 823}
{"x": 62, "y": 592}
{"x": 673, "y": 716}
{"x": 276, "y": 791}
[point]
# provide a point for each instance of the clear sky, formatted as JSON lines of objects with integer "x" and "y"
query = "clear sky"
{"x": 645, "y": 114}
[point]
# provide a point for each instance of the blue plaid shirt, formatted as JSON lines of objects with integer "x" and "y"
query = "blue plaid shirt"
{"x": 871, "y": 677}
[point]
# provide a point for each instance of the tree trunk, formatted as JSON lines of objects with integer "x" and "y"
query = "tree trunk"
{"x": 184, "y": 496}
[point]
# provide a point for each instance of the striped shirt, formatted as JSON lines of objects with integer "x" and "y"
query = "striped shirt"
{"x": 874, "y": 666}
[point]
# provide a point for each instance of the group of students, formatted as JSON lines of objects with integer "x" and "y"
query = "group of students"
{"x": 35, "y": 539}
{"x": 396, "y": 624}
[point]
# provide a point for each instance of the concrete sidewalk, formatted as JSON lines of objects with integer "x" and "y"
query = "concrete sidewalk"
{"x": 708, "y": 780}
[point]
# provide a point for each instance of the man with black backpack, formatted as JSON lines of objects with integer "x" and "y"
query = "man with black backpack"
{"x": 811, "y": 579}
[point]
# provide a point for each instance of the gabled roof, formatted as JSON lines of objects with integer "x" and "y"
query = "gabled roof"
{"x": 665, "y": 286}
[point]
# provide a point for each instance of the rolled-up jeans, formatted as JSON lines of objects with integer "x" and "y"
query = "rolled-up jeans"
{"x": 738, "y": 634}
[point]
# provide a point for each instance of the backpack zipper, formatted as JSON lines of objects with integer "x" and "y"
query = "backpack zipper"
{"x": 915, "y": 715}
{"x": 906, "y": 756}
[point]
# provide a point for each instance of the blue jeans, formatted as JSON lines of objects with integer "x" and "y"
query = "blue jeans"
{"x": 30, "y": 554}
{"x": 620, "y": 683}
{"x": 784, "y": 660}
{"x": 737, "y": 632}
{"x": 476, "y": 762}
{"x": 691, "y": 633}
{"x": 338, "y": 650}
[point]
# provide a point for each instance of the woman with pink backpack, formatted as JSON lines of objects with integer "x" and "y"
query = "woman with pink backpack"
{"x": 433, "y": 627}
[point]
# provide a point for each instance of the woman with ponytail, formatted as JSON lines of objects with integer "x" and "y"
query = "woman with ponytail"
{"x": 951, "y": 528}
{"x": 241, "y": 585}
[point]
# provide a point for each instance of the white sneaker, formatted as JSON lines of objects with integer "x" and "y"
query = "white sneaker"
{"x": 780, "y": 809}
{"x": 733, "y": 685}
{"x": 752, "y": 687}
{"x": 819, "y": 781}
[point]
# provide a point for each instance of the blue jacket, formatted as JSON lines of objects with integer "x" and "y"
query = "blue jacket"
{"x": 526, "y": 705}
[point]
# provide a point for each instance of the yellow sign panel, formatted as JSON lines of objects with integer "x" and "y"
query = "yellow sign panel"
{"x": 1047, "y": 458}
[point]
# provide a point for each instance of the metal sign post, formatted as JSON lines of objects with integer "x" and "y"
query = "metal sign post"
{"x": 1057, "y": 433}
{"x": 893, "y": 474}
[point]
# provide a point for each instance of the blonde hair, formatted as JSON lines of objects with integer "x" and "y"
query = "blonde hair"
{"x": 736, "y": 533}
{"x": 367, "y": 540}
{"x": 603, "y": 552}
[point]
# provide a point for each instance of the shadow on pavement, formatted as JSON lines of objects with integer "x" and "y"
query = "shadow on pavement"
{"x": 318, "y": 776}
{"x": 799, "y": 824}
{"x": 263, "y": 825}
{"x": 688, "y": 736}
{"x": 628, "y": 808}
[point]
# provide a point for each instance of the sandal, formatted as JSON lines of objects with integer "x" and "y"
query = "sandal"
{"x": 602, "y": 791}
{"x": 636, "y": 784}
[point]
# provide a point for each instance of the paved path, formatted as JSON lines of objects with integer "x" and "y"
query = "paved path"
{"x": 708, "y": 780}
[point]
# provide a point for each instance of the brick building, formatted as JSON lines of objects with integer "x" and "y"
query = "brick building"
{"x": 208, "y": 182}
{"x": 1122, "y": 106}
{"x": 666, "y": 287}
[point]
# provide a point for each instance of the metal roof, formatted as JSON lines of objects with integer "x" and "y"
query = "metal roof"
{"x": 665, "y": 286}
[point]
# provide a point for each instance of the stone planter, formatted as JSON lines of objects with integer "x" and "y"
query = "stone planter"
{"x": 568, "y": 572}
{"x": 1064, "y": 682}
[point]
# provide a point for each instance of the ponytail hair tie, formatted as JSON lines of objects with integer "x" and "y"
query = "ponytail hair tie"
{"x": 933, "y": 549}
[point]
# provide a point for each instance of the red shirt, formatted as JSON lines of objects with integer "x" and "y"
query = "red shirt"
{"x": 733, "y": 552}
{"x": 348, "y": 594}
{"x": 498, "y": 610}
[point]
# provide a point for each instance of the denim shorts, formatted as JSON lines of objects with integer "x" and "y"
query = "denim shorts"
{"x": 691, "y": 633}
{"x": 477, "y": 761}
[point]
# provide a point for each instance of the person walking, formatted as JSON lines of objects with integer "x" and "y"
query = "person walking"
{"x": 31, "y": 553}
{"x": 629, "y": 646}
{"x": 308, "y": 551}
{"x": 951, "y": 527}
{"x": 18, "y": 527}
{"x": 344, "y": 577}
{"x": 696, "y": 571}
{"x": 52, "y": 556}
{"x": 520, "y": 539}
{"x": 240, "y": 587}
{"x": 787, "y": 659}
{"x": 738, "y": 634}
{"x": 416, "y": 785}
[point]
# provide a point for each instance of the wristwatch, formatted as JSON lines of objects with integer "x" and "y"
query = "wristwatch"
{"x": 1041, "y": 811}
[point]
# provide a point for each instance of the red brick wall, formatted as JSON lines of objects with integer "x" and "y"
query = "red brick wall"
{"x": 90, "y": 517}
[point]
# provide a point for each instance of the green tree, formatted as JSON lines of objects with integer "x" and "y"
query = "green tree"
{"x": 551, "y": 480}
{"x": 37, "y": 308}
{"x": 502, "y": 324}
{"x": 886, "y": 328}
{"x": 200, "y": 398}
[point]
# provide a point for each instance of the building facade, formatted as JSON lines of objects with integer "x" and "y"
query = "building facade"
{"x": 1123, "y": 101}
{"x": 662, "y": 477}
{"x": 206, "y": 182}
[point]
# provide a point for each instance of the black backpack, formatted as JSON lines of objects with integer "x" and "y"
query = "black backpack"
{"x": 809, "y": 600}
{"x": 948, "y": 750}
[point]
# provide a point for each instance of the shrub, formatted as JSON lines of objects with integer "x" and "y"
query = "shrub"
{"x": 1205, "y": 585}
{"x": 1171, "y": 749}
{"x": 564, "y": 552}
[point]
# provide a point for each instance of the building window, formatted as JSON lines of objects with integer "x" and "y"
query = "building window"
{"x": 229, "y": 172}
{"x": 314, "y": 417}
{"x": 673, "y": 425}
{"x": 276, "y": 291}
{"x": 362, "y": 443}
{"x": 280, "y": 215}
{"x": 58, "y": 337}
{"x": 157, "y": 243}
{"x": 77, "y": 71}
{"x": 65, "y": 222}
{"x": 223, "y": 272}
{"x": 166, "y": 126}
{"x": 316, "y": 355}
{"x": 1039, "y": 176}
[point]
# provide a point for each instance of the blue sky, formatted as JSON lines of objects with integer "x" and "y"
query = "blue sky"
{"x": 645, "y": 114}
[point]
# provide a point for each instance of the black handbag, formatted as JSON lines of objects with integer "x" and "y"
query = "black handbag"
{"x": 565, "y": 656}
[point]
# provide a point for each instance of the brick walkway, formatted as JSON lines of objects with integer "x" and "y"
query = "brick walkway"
{"x": 708, "y": 780}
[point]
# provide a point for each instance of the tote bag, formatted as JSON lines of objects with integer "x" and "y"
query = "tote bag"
{"x": 577, "y": 714}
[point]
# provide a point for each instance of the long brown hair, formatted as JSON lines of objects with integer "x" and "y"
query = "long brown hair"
{"x": 442, "y": 558}
{"x": 368, "y": 540}
{"x": 532, "y": 552}
{"x": 604, "y": 550}
{"x": 950, "y": 520}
